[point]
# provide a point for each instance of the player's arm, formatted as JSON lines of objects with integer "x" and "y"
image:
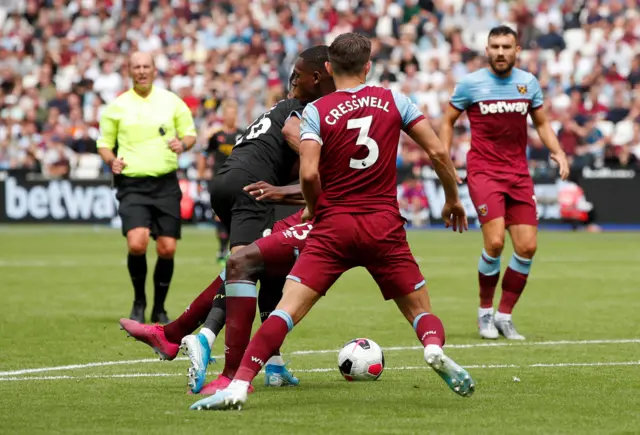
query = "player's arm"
{"x": 422, "y": 133}
{"x": 419, "y": 129}
{"x": 459, "y": 102}
{"x": 185, "y": 126}
{"x": 290, "y": 195}
{"x": 545, "y": 131}
{"x": 449, "y": 119}
{"x": 108, "y": 134}
{"x": 203, "y": 157}
{"x": 310, "y": 146}
{"x": 291, "y": 132}
{"x": 453, "y": 212}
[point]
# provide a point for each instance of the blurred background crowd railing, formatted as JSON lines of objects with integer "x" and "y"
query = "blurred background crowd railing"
{"x": 62, "y": 61}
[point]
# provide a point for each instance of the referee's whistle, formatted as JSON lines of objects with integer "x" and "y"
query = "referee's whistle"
{"x": 162, "y": 131}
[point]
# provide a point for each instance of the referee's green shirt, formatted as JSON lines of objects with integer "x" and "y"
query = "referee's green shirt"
{"x": 136, "y": 123}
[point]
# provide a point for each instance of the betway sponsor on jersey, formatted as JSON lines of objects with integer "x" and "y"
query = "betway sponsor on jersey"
{"x": 521, "y": 107}
{"x": 355, "y": 104}
{"x": 57, "y": 201}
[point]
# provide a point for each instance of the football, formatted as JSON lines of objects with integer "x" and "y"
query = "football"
{"x": 361, "y": 360}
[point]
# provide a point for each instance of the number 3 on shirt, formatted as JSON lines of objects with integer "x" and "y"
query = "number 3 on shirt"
{"x": 364, "y": 124}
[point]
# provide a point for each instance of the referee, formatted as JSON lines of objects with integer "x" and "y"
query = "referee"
{"x": 151, "y": 126}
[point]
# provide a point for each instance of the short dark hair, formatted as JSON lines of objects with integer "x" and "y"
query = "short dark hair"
{"x": 502, "y": 31}
{"x": 315, "y": 57}
{"x": 349, "y": 53}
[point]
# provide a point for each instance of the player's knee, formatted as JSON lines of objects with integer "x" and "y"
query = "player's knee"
{"x": 527, "y": 248}
{"x": 166, "y": 249}
{"x": 137, "y": 245}
{"x": 235, "y": 266}
{"x": 245, "y": 264}
{"x": 494, "y": 245}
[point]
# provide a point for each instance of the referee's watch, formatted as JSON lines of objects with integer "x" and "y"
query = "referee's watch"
{"x": 184, "y": 146}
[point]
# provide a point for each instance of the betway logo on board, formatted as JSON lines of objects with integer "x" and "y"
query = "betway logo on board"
{"x": 59, "y": 200}
{"x": 521, "y": 107}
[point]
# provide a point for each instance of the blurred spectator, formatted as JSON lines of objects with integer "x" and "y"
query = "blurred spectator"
{"x": 413, "y": 202}
{"x": 62, "y": 61}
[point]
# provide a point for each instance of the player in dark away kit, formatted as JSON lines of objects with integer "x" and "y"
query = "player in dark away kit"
{"x": 310, "y": 81}
{"x": 348, "y": 151}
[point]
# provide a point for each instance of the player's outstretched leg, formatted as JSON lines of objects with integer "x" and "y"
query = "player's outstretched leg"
{"x": 165, "y": 340}
{"x": 430, "y": 331}
{"x": 489, "y": 274}
{"x": 296, "y": 302}
{"x": 198, "y": 347}
{"x": 515, "y": 277}
{"x": 276, "y": 372}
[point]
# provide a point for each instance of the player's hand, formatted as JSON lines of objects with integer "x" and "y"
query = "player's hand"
{"x": 307, "y": 215}
{"x": 561, "y": 159}
{"x": 117, "y": 165}
{"x": 261, "y": 191}
{"x": 176, "y": 145}
{"x": 455, "y": 217}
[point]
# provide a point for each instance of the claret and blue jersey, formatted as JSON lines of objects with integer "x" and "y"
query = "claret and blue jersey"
{"x": 497, "y": 108}
{"x": 359, "y": 130}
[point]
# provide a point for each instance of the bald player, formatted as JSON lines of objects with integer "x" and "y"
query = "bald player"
{"x": 142, "y": 132}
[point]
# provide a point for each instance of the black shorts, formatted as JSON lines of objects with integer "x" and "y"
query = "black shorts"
{"x": 246, "y": 218}
{"x": 150, "y": 202}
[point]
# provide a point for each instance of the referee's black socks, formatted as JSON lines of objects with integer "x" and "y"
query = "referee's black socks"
{"x": 161, "y": 281}
{"x": 137, "y": 265}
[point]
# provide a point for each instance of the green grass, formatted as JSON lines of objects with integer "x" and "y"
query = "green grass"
{"x": 64, "y": 288}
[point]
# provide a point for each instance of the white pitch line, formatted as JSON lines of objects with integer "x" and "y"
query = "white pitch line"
{"x": 325, "y": 370}
{"x": 496, "y": 344}
{"x": 324, "y": 351}
{"x": 85, "y": 366}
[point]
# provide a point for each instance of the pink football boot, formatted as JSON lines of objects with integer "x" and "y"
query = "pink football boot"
{"x": 153, "y": 335}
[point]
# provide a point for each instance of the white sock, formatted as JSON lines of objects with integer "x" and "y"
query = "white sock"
{"x": 484, "y": 311}
{"x": 276, "y": 360}
{"x": 238, "y": 385}
{"x": 502, "y": 316}
{"x": 208, "y": 333}
{"x": 433, "y": 349}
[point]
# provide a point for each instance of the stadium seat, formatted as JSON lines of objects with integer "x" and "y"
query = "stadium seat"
{"x": 525, "y": 55}
{"x": 623, "y": 133}
{"x": 567, "y": 56}
{"x": 88, "y": 167}
{"x": 597, "y": 35}
{"x": 547, "y": 55}
{"x": 574, "y": 38}
{"x": 605, "y": 127}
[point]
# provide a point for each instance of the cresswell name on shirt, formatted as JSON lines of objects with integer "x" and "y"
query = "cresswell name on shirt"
{"x": 521, "y": 107}
{"x": 354, "y": 104}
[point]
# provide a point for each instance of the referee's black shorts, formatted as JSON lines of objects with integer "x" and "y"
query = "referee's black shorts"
{"x": 150, "y": 202}
{"x": 246, "y": 218}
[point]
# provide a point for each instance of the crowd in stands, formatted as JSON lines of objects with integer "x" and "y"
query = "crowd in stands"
{"x": 62, "y": 61}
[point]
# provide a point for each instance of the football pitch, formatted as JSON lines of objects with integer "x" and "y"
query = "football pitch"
{"x": 65, "y": 367}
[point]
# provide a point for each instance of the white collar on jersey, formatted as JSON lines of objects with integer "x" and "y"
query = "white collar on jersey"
{"x": 352, "y": 90}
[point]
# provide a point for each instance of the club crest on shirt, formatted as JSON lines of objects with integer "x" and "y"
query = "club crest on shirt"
{"x": 522, "y": 89}
{"x": 483, "y": 210}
